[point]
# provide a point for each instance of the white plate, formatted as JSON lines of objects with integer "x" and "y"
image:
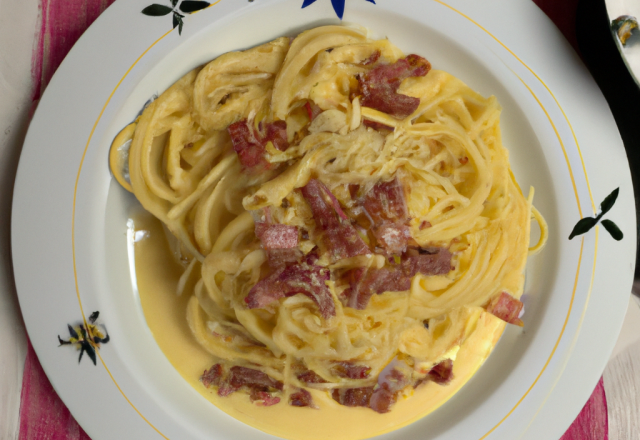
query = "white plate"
{"x": 631, "y": 52}
{"x": 69, "y": 215}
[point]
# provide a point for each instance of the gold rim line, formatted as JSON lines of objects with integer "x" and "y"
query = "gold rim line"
{"x": 555, "y": 347}
{"x": 557, "y": 134}
{"x": 126, "y": 398}
{"x": 584, "y": 168}
{"x": 73, "y": 220}
{"x": 575, "y": 191}
{"x": 584, "y": 311}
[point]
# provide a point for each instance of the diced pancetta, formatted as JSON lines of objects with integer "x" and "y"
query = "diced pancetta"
{"x": 338, "y": 236}
{"x": 213, "y": 376}
{"x": 250, "y": 145}
{"x": 263, "y": 398}
{"x": 375, "y": 56}
{"x": 379, "y": 398}
{"x": 313, "y": 110}
{"x": 301, "y": 398}
{"x": 280, "y": 242}
{"x": 387, "y": 392}
{"x": 442, "y": 373}
{"x": 351, "y": 371}
{"x": 310, "y": 377}
{"x": 507, "y": 308}
{"x": 276, "y": 133}
{"x": 386, "y": 206}
{"x": 283, "y": 257}
{"x": 353, "y": 396}
{"x": 386, "y": 201}
{"x": 278, "y": 236}
{"x": 376, "y": 125}
{"x": 393, "y": 236}
{"x": 379, "y": 86}
{"x": 260, "y": 384}
{"x": 306, "y": 278}
{"x": 436, "y": 262}
{"x": 363, "y": 283}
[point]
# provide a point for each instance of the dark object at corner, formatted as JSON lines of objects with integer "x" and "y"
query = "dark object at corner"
{"x": 600, "y": 53}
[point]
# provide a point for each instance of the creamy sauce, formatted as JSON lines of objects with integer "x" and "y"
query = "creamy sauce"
{"x": 165, "y": 312}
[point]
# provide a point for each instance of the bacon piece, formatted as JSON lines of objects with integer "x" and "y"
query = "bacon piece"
{"x": 507, "y": 308}
{"x": 337, "y": 233}
{"x": 375, "y": 56}
{"x": 263, "y": 398}
{"x": 313, "y": 110}
{"x": 387, "y": 392}
{"x": 259, "y": 383}
{"x": 277, "y": 135}
{"x": 279, "y": 258}
{"x": 386, "y": 205}
{"x": 277, "y": 236}
{"x": 379, "y": 86}
{"x": 378, "y": 398}
{"x": 306, "y": 278}
{"x": 243, "y": 376}
{"x": 351, "y": 371}
{"x": 382, "y": 399}
{"x": 301, "y": 398}
{"x": 353, "y": 396}
{"x": 280, "y": 242}
{"x": 310, "y": 376}
{"x": 225, "y": 389}
{"x": 425, "y": 224}
{"x": 376, "y": 125}
{"x": 436, "y": 262}
{"x": 250, "y": 145}
{"x": 386, "y": 201}
{"x": 212, "y": 376}
{"x": 366, "y": 282}
{"x": 393, "y": 236}
{"x": 442, "y": 373}
{"x": 353, "y": 190}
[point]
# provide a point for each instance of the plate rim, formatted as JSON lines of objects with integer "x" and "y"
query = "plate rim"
{"x": 15, "y": 240}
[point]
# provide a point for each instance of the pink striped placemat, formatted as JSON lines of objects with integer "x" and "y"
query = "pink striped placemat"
{"x": 43, "y": 416}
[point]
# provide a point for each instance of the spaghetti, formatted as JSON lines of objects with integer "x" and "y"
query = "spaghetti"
{"x": 346, "y": 216}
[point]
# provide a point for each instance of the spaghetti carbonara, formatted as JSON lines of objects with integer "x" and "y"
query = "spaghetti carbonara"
{"x": 345, "y": 215}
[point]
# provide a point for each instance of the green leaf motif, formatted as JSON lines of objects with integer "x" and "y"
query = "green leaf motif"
{"x": 177, "y": 21}
{"x": 189, "y": 6}
{"x": 90, "y": 351}
{"x": 613, "y": 229}
{"x": 608, "y": 203}
{"x": 72, "y": 332}
{"x": 156, "y": 10}
{"x": 587, "y": 223}
{"x": 174, "y": 3}
{"x": 583, "y": 226}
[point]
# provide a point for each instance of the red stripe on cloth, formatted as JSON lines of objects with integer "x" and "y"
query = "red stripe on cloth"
{"x": 43, "y": 416}
{"x": 563, "y": 14}
{"x": 62, "y": 23}
{"x": 593, "y": 421}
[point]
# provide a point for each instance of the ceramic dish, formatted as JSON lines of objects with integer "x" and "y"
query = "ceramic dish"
{"x": 70, "y": 216}
{"x": 630, "y": 52}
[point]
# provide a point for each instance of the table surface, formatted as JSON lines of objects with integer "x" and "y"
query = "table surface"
{"x": 23, "y": 69}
